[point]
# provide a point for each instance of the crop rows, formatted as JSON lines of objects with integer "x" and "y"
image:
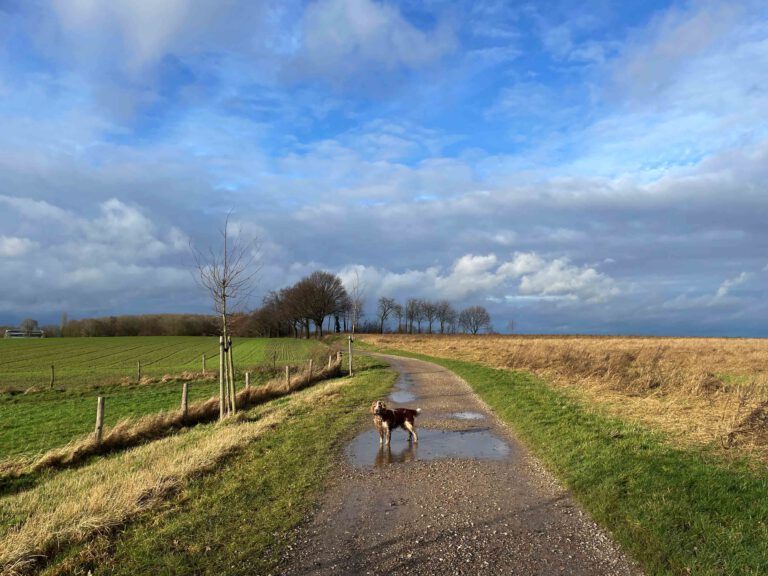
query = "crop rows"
{"x": 89, "y": 367}
{"x": 88, "y": 361}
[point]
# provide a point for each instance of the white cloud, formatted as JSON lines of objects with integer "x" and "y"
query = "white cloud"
{"x": 471, "y": 276}
{"x": 13, "y": 247}
{"x": 726, "y": 286}
{"x": 344, "y": 37}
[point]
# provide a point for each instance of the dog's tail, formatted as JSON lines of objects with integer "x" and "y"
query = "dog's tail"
{"x": 418, "y": 410}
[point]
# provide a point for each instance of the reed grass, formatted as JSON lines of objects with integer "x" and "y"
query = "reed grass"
{"x": 701, "y": 390}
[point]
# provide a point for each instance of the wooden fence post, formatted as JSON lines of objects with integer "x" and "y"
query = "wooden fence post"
{"x": 203, "y": 364}
{"x": 247, "y": 380}
{"x": 138, "y": 371}
{"x": 330, "y": 357}
{"x": 53, "y": 376}
{"x": 99, "y": 418}
{"x": 310, "y": 368}
{"x": 350, "y": 356}
{"x": 184, "y": 399}
{"x": 287, "y": 378}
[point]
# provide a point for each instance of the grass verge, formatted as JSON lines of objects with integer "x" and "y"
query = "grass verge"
{"x": 127, "y": 433}
{"x": 236, "y": 518}
{"x": 677, "y": 511}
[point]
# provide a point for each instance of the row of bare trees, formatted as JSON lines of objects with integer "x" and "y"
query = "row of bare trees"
{"x": 419, "y": 315}
{"x": 295, "y": 310}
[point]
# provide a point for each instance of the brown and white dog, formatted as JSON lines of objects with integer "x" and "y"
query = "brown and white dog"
{"x": 387, "y": 420}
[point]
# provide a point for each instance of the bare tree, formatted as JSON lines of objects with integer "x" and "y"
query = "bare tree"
{"x": 446, "y": 315}
{"x": 430, "y": 312}
{"x": 474, "y": 318}
{"x": 420, "y": 313}
{"x": 398, "y": 312}
{"x": 316, "y": 297}
{"x": 228, "y": 274}
{"x": 29, "y": 324}
{"x": 411, "y": 311}
{"x": 386, "y": 307}
{"x": 356, "y": 300}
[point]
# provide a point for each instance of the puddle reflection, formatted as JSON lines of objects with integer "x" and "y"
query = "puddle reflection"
{"x": 402, "y": 393}
{"x": 477, "y": 443}
{"x": 468, "y": 415}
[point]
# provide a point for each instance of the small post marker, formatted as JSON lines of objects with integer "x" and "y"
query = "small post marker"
{"x": 53, "y": 376}
{"x": 99, "y": 418}
{"x": 247, "y": 380}
{"x": 138, "y": 371}
{"x": 287, "y": 378}
{"x": 184, "y": 399}
{"x": 350, "y": 356}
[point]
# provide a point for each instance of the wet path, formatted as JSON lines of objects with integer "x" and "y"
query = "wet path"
{"x": 467, "y": 499}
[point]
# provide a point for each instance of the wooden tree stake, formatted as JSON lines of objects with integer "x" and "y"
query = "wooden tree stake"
{"x": 203, "y": 364}
{"x": 221, "y": 378}
{"x": 310, "y": 368}
{"x": 138, "y": 371}
{"x": 247, "y": 380}
{"x": 53, "y": 376}
{"x": 287, "y": 378}
{"x": 231, "y": 370}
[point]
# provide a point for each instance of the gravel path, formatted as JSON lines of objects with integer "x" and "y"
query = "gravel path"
{"x": 468, "y": 499}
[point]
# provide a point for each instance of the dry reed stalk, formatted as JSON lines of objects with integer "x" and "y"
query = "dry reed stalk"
{"x": 77, "y": 504}
{"x": 680, "y": 385}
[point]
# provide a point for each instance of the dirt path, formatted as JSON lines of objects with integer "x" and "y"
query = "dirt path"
{"x": 468, "y": 499}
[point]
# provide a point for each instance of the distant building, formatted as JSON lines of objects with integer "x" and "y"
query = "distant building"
{"x": 16, "y": 333}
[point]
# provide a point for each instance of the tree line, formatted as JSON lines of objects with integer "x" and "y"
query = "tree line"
{"x": 321, "y": 301}
{"x": 317, "y": 304}
{"x": 419, "y": 315}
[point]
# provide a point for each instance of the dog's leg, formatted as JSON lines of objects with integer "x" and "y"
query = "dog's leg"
{"x": 411, "y": 432}
{"x": 389, "y": 434}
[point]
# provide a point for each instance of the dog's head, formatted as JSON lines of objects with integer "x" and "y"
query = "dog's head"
{"x": 378, "y": 407}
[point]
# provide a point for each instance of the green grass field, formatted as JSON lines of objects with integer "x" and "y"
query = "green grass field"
{"x": 88, "y": 361}
{"x": 41, "y": 419}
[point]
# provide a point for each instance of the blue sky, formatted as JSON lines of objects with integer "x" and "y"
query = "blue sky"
{"x": 575, "y": 167}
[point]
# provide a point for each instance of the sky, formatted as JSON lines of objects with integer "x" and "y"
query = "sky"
{"x": 575, "y": 167}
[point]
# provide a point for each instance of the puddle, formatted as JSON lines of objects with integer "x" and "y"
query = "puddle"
{"x": 468, "y": 415}
{"x": 402, "y": 393}
{"x": 433, "y": 444}
{"x": 401, "y": 397}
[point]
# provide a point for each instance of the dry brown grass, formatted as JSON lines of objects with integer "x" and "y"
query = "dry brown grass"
{"x": 702, "y": 390}
{"x": 130, "y": 432}
{"x": 78, "y": 504}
